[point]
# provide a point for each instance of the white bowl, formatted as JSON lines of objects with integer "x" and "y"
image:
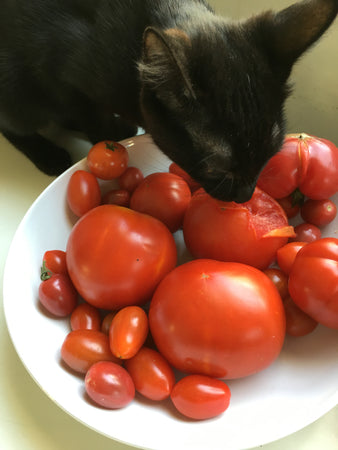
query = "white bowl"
{"x": 297, "y": 389}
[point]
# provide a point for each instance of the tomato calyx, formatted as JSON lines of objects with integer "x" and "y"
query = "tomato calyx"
{"x": 45, "y": 273}
{"x": 297, "y": 198}
{"x": 111, "y": 146}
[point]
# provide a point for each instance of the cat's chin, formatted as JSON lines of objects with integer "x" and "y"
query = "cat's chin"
{"x": 240, "y": 193}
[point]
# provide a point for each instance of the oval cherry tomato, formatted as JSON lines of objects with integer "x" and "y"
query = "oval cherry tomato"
{"x": 306, "y": 232}
{"x": 116, "y": 256}
{"x": 313, "y": 281}
{"x": 318, "y": 212}
{"x": 83, "y": 192}
{"x": 286, "y": 255}
{"x": 205, "y": 314}
{"x": 82, "y": 348}
{"x": 279, "y": 279}
{"x": 130, "y": 179}
{"x": 200, "y": 397}
{"x": 55, "y": 262}
{"x": 298, "y": 323}
{"x": 249, "y": 233}
{"x": 109, "y": 385}
{"x": 152, "y": 375}
{"x": 85, "y": 317}
{"x": 162, "y": 195}
{"x": 305, "y": 162}
{"x": 58, "y": 295}
{"x": 106, "y": 322}
{"x": 128, "y": 331}
{"x": 107, "y": 160}
{"x": 177, "y": 170}
{"x": 119, "y": 197}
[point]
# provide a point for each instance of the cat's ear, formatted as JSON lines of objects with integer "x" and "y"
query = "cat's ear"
{"x": 165, "y": 60}
{"x": 290, "y": 32}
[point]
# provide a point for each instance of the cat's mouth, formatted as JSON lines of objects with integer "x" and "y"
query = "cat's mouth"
{"x": 229, "y": 189}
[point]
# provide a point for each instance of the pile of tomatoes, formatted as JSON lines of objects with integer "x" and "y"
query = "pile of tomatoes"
{"x": 141, "y": 323}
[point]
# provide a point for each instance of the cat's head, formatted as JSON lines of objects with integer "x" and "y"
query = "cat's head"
{"x": 213, "y": 94}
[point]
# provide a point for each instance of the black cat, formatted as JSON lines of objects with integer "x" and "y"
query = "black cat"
{"x": 209, "y": 91}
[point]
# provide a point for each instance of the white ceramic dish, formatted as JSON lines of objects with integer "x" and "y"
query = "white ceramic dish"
{"x": 298, "y": 388}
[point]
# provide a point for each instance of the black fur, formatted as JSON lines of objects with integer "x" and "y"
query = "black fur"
{"x": 210, "y": 92}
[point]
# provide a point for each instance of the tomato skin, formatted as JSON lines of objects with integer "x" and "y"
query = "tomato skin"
{"x": 200, "y": 397}
{"x": 109, "y": 385}
{"x": 162, "y": 195}
{"x": 130, "y": 179}
{"x": 119, "y": 197}
{"x": 152, "y": 375}
{"x": 116, "y": 256}
{"x": 298, "y": 323}
{"x": 83, "y": 192}
{"x": 306, "y": 232}
{"x": 279, "y": 279}
{"x": 58, "y": 295}
{"x": 286, "y": 255}
{"x": 177, "y": 170}
{"x": 203, "y": 315}
{"x": 107, "y": 160}
{"x": 227, "y": 231}
{"x": 82, "y": 348}
{"x": 128, "y": 332}
{"x": 318, "y": 212}
{"x": 313, "y": 281}
{"x": 85, "y": 317}
{"x": 287, "y": 203}
{"x": 55, "y": 261}
{"x": 106, "y": 322}
{"x": 305, "y": 162}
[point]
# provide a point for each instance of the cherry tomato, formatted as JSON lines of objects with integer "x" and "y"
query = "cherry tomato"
{"x": 128, "y": 332}
{"x": 152, "y": 375}
{"x": 119, "y": 197}
{"x": 298, "y": 323}
{"x": 313, "y": 281}
{"x": 116, "y": 256}
{"x": 286, "y": 255}
{"x": 204, "y": 317}
{"x": 54, "y": 261}
{"x": 83, "y": 192}
{"x": 130, "y": 179}
{"x": 85, "y": 317}
{"x": 292, "y": 203}
{"x": 109, "y": 385}
{"x": 82, "y": 348}
{"x": 306, "y": 232}
{"x": 249, "y": 233}
{"x": 107, "y": 160}
{"x": 279, "y": 279}
{"x": 177, "y": 170}
{"x": 318, "y": 212}
{"x": 162, "y": 195}
{"x": 58, "y": 295}
{"x": 106, "y": 322}
{"x": 305, "y": 162}
{"x": 200, "y": 397}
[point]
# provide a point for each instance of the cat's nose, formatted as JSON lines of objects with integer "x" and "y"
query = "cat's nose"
{"x": 242, "y": 193}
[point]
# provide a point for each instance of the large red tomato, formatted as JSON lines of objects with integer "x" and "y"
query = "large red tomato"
{"x": 248, "y": 233}
{"x": 116, "y": 256}
{"x": 215, "y": 318}
{"x": 305, "y": 162}
{"x": 313, "y": 281}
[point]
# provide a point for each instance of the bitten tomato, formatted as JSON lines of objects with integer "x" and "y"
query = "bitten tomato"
{"x": 128, "y": 332}
{"x": 286, "y": 255}
{"x": 205, "y": 316}
{"x": 85, "y": 317}
{"x": 58, "y": 295}
{"x": 83, "y": 192}
{"x": 116, "y": 256}
{"x": 318, "y": 212}
{"x": 162, "y": 195}
{"x": 109, "y": 385}
{"x": 249, "y": 233}
{"x": 152, "y": 375}
{"x": 305, "y": 162}
{"x": 313, "y": 281}
{"x": 82, "y": 348}
{"x": 200, "y": 397}
{"x": 107, "y": 160}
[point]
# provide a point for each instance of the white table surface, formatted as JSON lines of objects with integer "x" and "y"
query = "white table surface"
{"x": 29, "y": 420}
